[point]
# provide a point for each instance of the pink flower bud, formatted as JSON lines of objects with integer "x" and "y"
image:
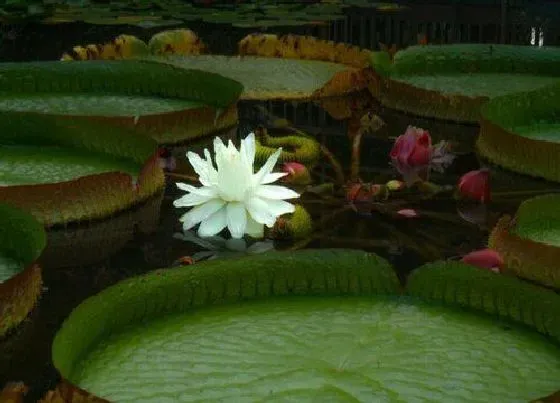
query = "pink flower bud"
{"x": 485, "y": 259}
{"x": 475, "y": 185}
{"x": 298, "y": 174}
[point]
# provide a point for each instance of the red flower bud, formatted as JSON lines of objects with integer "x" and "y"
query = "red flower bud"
{"x": 298, "y": 174}
{"x": 475, "y": 185}
{"x": 485, "y": 259}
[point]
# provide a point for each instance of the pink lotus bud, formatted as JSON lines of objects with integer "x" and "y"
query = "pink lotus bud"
{"x": 298, "y": 174}
{"x": 475, "y": 185}
{"x": 485, "y": 259}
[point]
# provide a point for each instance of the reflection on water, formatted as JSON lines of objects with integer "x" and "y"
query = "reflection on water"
{"x": 443, "y": 228}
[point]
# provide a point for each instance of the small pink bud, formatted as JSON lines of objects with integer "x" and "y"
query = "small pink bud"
{"x": 484, "y": 259}
{"x": 298, "y": 174}
{"x": 475, "y": 185}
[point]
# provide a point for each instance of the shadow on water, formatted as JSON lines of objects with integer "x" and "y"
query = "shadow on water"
{"x": 439, "y": 232}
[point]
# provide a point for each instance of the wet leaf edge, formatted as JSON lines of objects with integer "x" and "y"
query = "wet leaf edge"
{"x": 430, "y": 103}
{"x": 306, "y": 272}
{"x": 22, "y": 238}
{"x": 500, "y": 144}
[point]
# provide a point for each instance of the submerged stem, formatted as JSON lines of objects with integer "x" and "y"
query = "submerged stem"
{"x": 355, "y": 165}
{"x": 337, "y": 167}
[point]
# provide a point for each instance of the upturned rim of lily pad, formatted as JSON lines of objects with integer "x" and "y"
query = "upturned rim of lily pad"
{"x": 394, "y": 92}
{"x": 22, "y": 239}
{"x": 325, "y": 272}
{"x": 343, "y": 68}
{"x": 521, "y": 241}
{"x": 503, "y": 121}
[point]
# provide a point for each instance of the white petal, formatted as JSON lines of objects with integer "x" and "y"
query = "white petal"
{"x": 258, "y": 209}
{"x": 197, "y": 195}
{"x": 200, "y": 213}
{"x": 212, "y": 173}
{"x": 234, "y": 175}
{"x": 185, "y": 186}
{"x": 203, "y": 190}
{"x": 275, "y": 192}
{"x": 219, "y": 145}
{"x": 267, "y": 167}
{"x": 248, "y": 147}
{"x": 279, "y": 207}
{"x": 213, "y": 224}
{"x": 236, "y": 219}
{"x": 254, "y": 229}
{"x": 192, "y": 199}
{"x": 200, "y": 166}
{"x": 273, "y": 177}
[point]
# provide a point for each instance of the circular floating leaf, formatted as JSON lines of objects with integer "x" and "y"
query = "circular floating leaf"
{"x": 167, "y": 120}
{"x": 538, "y": 219}
{"x": 521, "y": 132}
{"x": 457, "y": 283}
{"x": 94, "y": 104}
{"x": 33, "y": 165}
{"x": 22, "y": 240}
{"x": 330, "y": 348}
{"x": 478, "y": 84}
{"x": 530, "y": 244}
{"x": 454, "y": 81}
{"x": 123, "y": 77}
{"x": 140, "y": 339}
{"x": 269, "y": 78}
{"x": 270, "y": 67}
{"x": 65, "y": 169}
{"x": 8, "y": 268}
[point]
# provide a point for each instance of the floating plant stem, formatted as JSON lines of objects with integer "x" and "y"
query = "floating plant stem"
{"x": 182, "y": 176}
{"x": 355, "y": 158}
{"x": 337, "y": 167}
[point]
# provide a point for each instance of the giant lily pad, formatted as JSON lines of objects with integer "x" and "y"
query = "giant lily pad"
{"x": 530, "y": 243}
{"x": 144, "y": 96}
{"x": 521, "y": 132}
{"x": 22, "y": 240}
{"x": 454, "y": 81}
{"x": 269, "y": 67}
{"x": 64, "y": 170}
{"x": 327, "y": 324}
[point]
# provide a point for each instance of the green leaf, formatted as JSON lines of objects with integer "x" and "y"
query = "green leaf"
{"x": 293, "y": 326}
{"x": 22, "y": 239}
{"x": 28, "y": 165}
{"x": 261, "y": 77}
{"x": 520, "y": 131}
{"x": 538, "y": 219}
{"x": 84, "y": 104}
{"x": 135, "y": 77}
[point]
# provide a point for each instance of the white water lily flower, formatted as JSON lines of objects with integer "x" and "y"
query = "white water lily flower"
{"x": 232, "y": 195}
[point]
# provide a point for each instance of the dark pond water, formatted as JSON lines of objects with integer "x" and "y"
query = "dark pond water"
{"x": 438, "y": 232}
